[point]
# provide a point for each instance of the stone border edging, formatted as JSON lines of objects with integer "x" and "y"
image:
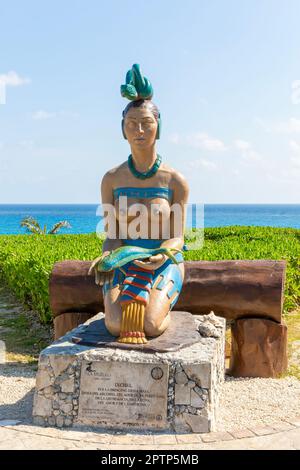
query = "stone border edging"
{"x": 162, "y": 439}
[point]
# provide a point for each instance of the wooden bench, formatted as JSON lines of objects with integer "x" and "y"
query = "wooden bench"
{"x": 248, "y": 293}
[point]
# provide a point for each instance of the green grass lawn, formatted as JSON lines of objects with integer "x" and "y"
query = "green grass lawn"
{"x": 26, "y": 261}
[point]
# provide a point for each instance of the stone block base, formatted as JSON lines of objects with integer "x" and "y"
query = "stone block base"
{"x": 108, "y": 387}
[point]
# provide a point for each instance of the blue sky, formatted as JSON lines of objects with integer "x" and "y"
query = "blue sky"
{"x": 226, "y": 77}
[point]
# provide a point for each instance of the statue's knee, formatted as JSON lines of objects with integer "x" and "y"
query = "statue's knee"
{"x": 112, "y": 327}
{"x": 153, "y": 327}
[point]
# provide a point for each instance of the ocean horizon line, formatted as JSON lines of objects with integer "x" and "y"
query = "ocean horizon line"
{"x": 87, "y": 218}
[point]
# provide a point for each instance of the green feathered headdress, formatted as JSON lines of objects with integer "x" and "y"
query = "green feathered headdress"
{"x": 137, "y": 86}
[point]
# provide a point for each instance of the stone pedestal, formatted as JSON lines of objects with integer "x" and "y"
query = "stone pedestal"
{"x": 118, "y": 388}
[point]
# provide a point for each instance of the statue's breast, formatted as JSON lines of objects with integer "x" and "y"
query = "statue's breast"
{"x": 148, "y": 210}
{"x": 143, "y": 211}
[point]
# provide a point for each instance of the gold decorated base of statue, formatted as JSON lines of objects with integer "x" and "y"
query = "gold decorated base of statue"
{"x": 132, "y": 327}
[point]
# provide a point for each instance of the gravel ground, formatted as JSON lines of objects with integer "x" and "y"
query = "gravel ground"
{"x": 17, "y": 384}
{"x": 243, "y": 402}
{"x": 247, "y": 402}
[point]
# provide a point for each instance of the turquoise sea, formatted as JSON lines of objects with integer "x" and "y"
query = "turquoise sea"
{"x": 83, "y": 218}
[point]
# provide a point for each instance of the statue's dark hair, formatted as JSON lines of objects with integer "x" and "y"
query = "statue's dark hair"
{"x": 142, "y": 104}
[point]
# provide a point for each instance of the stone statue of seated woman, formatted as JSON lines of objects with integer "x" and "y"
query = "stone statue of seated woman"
{"x": 139, "y": 295}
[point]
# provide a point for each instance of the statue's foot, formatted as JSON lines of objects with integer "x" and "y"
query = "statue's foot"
{"x": 132, "y": 337}
{"x": 132, "y": 326}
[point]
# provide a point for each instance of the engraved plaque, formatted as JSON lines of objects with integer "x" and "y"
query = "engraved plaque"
{"x": 120, "y": 393}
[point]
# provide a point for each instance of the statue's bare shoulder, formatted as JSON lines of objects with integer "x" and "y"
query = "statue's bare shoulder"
{"x": 115, "y": 175}
{"x": 177, "y": 182}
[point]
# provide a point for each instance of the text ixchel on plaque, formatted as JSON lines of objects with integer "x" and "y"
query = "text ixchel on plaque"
{"x": 123, "y": 393}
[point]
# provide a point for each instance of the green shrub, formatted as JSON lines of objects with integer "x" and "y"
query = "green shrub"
{"x": 26, "y": 261}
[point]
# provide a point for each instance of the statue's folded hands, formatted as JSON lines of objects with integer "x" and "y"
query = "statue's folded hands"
{"x": 101, "y": 277}
{"x": 109, "y": 261}
{"x": 153, "y": 262}
{"x": 156, "y": 261}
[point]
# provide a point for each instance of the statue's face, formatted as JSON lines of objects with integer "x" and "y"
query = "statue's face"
{"x": 140, "y": 127}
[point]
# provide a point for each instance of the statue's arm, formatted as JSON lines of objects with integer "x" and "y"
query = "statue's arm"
{"x": 180, "y": 189}
{"x": 107, "y": 198}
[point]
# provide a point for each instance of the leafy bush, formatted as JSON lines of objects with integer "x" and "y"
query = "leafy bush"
{"x": 26, "y": 261}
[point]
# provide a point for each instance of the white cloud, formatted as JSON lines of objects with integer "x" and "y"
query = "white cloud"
{"x": 295, "y": 95}
{"x": 286, "y": 176}
{"x": 13, "y": 79}
{"x": 295, "y": 161}
{"x": 292, "y": 174}
{"x": 204, "y": 141}
{"x": 43, "y": 115}
{"x": 290, "y": 126}
{"x": 242, "y": 144}
{"x": 247, "y": 152}
{"x": 198, "y": 140}
{"x": 202, "y": 163}
{"x": 294, "y": 146}
{"x": 251, "y": 155}
{"x": 174, "y": 139}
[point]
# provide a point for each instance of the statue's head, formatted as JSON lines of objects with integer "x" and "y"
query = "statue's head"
{"x": 141, "y": 123}
{"x": 141, "y": 117}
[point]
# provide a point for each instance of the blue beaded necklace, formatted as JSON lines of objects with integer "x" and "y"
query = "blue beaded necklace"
{"x": 146, "y": 174}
